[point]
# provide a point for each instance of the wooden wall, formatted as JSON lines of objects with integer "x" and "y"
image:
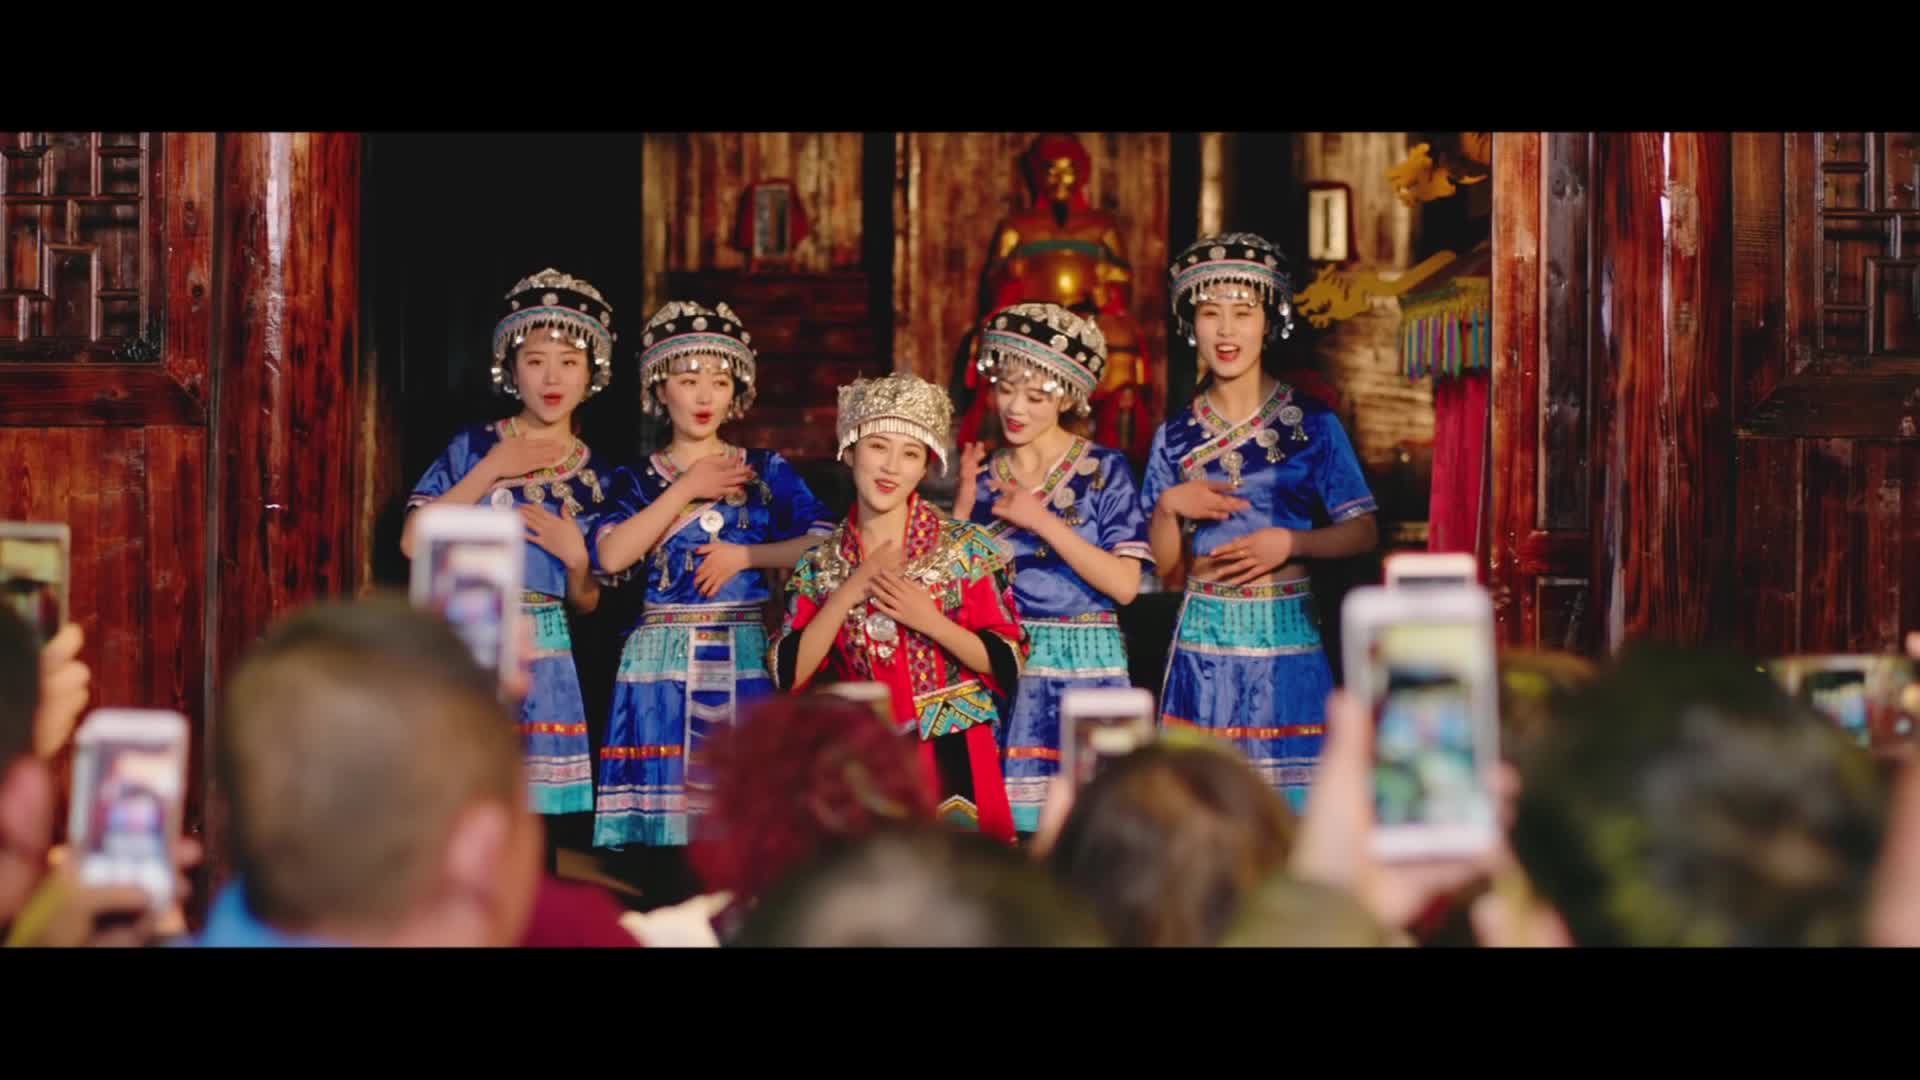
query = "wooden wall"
{"x": 950, "y": 191}
{"x": 1612, "y": 435}
{"x": 692, "y": 188}
{"x": 1662, "y": 434}
{"x": 1361, "y": 355}
{"x": 818, "y": 321}
{"x": 286, "y": 530}
{"x": 210, "y": 483}
{"x": 1739, "y": 329}
{"x": 134, "y": 496}
{"x": 1541, "y": 561}
{"x": 953, "y": 188}
{"x": 117, "y": 449}
{"x": 1828, "y": 463}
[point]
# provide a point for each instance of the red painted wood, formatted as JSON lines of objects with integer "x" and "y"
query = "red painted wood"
{"x": 285, "y": 476}
{"x": 1662, "y": 432}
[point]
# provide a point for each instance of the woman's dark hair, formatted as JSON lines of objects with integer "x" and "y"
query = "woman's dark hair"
{"x": 1682, "y": 798}
{"x": 1168, "y": 840}
{"x": 1532, "y": 683}
{"x": 19, "y": 686}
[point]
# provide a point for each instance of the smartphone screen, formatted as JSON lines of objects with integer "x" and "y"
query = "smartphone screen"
{"x": 128, "y": 785}
{"x": 469, "y": 579}
{"x": 33, "y": 580}
{"x": 1842, "y": 696}
{"x": 1101, "y": 726}
{"x": 1427, "y": 768}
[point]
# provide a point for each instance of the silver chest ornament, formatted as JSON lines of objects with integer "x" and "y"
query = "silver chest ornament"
{"x": 1291, "y": 416}
{"x": 1063, "y": 501}
{"x": 1233, "y": 462}
{"x": 1269, "y": 440}
{"x": 883, "y": 633}
{"x": 1090, "y": 467}
{"x": 501, "y": 498}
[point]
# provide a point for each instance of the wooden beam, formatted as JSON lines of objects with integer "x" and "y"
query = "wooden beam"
{"x": 1513, "y": 448}
{"x": 1663, "y": 432}
{"x": 288, "y": 344}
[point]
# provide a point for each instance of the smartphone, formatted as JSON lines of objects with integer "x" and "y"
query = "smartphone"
{"x": 1100, "y": 725}
{"x": 129, "y": 782}
{"x": 468, "y": 566}
{"x": 1423, "y": 662}
{"x": 35, "y": 566}
{"x": 1874, "y": 699}
{"x": 1406, "y": 569}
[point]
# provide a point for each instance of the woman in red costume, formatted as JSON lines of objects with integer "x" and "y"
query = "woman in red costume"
{"x": 902, "y": 595}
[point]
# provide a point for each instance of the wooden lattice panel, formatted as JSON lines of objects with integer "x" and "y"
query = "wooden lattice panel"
{"x": 78, "y": 246}
{"x": 1867, "y": 235}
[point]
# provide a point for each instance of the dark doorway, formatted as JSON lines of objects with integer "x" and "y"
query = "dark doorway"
{"x": 451, "y": 222}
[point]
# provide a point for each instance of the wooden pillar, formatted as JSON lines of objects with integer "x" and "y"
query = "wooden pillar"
{"x": 283, "y": 522}
{"x": 1663, "y": 387}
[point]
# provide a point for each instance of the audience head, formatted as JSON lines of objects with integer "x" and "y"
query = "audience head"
{"x": 1286, "y": 913}
{"x": 923, "y": 887}
{"x": 1531, "y": 683}
{"x": 1682, "y": 799}
{"x": 800, "y": 773}
{"x": 1166, "y": 842}
{"x": 375, "y": 782}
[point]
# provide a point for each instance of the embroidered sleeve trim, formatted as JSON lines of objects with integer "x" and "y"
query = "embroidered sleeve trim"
{"x": 1347, "y": 511}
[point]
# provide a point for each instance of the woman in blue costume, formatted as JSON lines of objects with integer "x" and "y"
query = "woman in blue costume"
{"x": 1068, "y": 513}
{"x": 552, "y": 349}
{"x": 703, "y": 521}
{"x": 1236, "y": 483}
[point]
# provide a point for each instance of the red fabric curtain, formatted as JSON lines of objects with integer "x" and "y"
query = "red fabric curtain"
{"x": 1459, "y": 462}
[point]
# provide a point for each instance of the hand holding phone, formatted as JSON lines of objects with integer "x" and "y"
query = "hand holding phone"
{"x": 129, "y": 780}
{"x": 35, "y": 565}
{"x": 1420, "y": 662}
{"x": 468, "y": 566}
{"x": 64, "y": 688}
{"x": 1100, "y": 725}
{"x": 1334, "y": 845}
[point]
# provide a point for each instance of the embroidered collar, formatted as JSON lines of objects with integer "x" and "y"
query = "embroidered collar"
{"x": 663, "y": 462}
{"x": 691, "y": 512}
{"x": 1062, "y": 472}
{"x": 1223, "y": 436}
{"x": 576, "y": 457}
{"x": 923, "y": 534}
